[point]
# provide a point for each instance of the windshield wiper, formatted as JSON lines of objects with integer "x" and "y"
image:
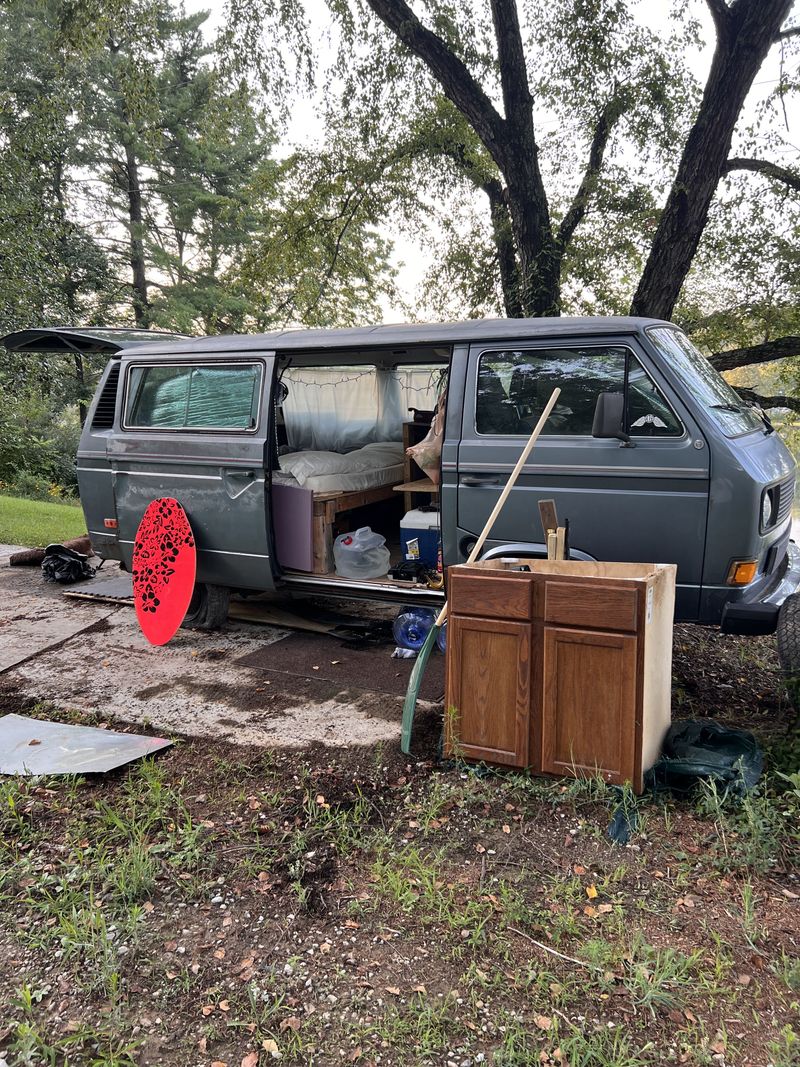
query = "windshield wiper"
{"x": 727, "y": 407}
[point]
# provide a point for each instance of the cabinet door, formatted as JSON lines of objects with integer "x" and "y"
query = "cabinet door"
{"x": 589, "y": 703}
{"x": 488, "y": 690}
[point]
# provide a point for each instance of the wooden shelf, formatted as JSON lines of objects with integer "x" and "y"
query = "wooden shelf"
{"x": 422, "y": 485}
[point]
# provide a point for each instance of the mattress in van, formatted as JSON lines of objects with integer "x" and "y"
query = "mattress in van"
{"x": 368, "y": 467}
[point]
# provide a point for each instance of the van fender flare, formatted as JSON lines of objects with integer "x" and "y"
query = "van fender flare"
{"x": 532, "y": 550}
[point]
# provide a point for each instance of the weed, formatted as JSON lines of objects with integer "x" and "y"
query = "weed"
{"x": 605, "y": 1048}
{"x": 785, "y": 1052}
{"x": 787, "y": 968}
{"x": 753, "y": 931}
{"x": 425, "y": 1025}
{"x": 654, "y": 975}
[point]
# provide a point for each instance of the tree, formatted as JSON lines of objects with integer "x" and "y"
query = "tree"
{"x": 622, "y": 93}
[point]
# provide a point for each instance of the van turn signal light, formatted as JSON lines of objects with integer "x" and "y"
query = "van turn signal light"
{"x": 742, "y": 571}
{"x": 110, "y": 524}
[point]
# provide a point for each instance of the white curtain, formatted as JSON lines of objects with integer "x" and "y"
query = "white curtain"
{"x": 338, "y": 409}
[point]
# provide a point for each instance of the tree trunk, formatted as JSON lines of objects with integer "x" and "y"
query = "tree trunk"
{"x": 141, "y": 305}
{"x": 509, "y": 139}
{"x": 504, "y": 246}
{"x": 745, "y": 32}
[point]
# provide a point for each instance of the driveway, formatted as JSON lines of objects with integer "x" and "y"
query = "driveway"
{"x": 251, "y": 684}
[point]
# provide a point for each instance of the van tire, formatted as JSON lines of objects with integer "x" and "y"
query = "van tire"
{"x": 788, "y": 639}
{"x": 208, "y": 608}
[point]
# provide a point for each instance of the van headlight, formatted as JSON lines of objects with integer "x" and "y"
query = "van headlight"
{"x": 768, "y": 508}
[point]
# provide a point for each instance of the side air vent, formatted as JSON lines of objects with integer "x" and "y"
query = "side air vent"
{"x": 107, "y": 402}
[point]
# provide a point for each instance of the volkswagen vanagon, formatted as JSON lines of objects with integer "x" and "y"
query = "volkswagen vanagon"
{"x": 276, "y": 443}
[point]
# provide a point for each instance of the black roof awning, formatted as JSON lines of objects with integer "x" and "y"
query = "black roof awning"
{"x": 87, "y": 340}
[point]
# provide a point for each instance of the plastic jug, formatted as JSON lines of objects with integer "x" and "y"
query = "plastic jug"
{"x": 362, "y": 554}
{"x": 412, "y": 626}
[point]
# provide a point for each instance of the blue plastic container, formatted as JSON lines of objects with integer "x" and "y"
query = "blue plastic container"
{"x": 412, "y": 626}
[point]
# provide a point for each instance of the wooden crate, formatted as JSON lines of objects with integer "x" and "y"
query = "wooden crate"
{"x": 563, "y": 668}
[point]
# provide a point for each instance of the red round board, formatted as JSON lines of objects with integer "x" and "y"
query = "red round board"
{"x": 164, "y": 565}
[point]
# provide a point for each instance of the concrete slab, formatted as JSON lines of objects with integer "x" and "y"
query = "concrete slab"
{"x": 8, "y": 550}
{"x": 32, "y": 620}
{"x": 93, "y": 658}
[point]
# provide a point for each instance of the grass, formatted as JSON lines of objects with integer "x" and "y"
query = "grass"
{"x": 36, "y": 523}
{"x": 234, "y": 906}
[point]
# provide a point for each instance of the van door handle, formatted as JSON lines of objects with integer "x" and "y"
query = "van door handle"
{"x": 237, "y": 472}
{"x": 479, "y": 479}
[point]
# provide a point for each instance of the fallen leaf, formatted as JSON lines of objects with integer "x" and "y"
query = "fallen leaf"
{"x": 270, "y": 1046}
{"x": 744, "y": 979}
{"x": 351, "y": 924}
{"x": 147, "y": 906}
{"x": 224, "y": 1005}
{"x": 604, "y": 909}
{"x": 544, "y": 1022}
{"x": 590, "y": 911}
{"x": 219, "y": 1063}
{"x": 577, "y": 869}
{"x": 73, "y": 1026}
{"x": 292, "y": 1023}
{"x": 250, "y": 1060}
{"x": 591, "y": 891}
{"x": 479, "y": 848}
{"x": 172, "y": 975}
{"x": 393, "y": 989}
{"x": 219, "y": 954}
{"x": 506, "y": 828}
{"x": 718, "y": 1044}
{"x": 419, "y": 989}
{"x": 207, "y": 1009}
{"x": 34, "y": 741}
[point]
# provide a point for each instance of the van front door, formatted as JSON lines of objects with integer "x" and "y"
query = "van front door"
{"x": 646, "y": 502}
{"x": 198, "y": 429}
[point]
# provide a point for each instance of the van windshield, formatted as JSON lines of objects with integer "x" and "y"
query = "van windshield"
{"x": 709, "y": 388}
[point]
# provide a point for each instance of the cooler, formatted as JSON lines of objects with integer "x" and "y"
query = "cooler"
{"x": 420, "y": 535}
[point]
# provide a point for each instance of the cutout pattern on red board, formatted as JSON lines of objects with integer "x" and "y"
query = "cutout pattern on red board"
{"x": 163, "y": 569}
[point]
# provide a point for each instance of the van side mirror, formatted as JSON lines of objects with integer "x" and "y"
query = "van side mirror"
{"x": 609, "y": 415}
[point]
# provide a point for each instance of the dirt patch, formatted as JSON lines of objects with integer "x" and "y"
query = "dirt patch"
{"x": 370, "y": 668}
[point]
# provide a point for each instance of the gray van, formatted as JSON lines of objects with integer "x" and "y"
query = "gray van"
{"x": 649, "y": 453}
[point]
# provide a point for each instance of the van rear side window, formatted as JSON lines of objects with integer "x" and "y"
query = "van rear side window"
{"x": 206, "y": 397}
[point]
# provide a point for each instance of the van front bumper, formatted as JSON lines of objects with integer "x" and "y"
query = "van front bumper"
{"x": 760, "y": 616}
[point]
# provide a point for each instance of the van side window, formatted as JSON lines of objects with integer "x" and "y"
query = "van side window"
{"x": 194, "y": 398}
{"x": 514, "y": 386}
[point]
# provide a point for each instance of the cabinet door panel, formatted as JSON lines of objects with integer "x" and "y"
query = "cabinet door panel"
{"x": 488, "y": 690}
{"x": 589, "y": 703}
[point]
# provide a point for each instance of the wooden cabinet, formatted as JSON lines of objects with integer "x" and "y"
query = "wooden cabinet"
{"x": 564, "y": 668}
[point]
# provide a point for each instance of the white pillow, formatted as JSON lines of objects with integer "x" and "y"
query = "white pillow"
{"x": 310, "y": 464}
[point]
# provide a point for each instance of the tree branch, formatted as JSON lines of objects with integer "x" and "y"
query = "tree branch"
{"x": 790, "y": 31}
{"x": 455, "y": 79}
{"x": 517, "y": 99}
{"x": 763, "y": 166}
{"x": 611, "y": 112}
{"x": 720, "y": 13}
{"x": 791, "y": 402}
{"x": 763, "y": 353}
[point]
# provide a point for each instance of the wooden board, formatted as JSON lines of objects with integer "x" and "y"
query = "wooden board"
{"x": 422, "y": 485}
{"x": 163, "y": 571}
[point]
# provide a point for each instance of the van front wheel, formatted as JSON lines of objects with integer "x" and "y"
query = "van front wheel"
{"x": 208, "y": 608}
{"x": 788, "y": 637}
